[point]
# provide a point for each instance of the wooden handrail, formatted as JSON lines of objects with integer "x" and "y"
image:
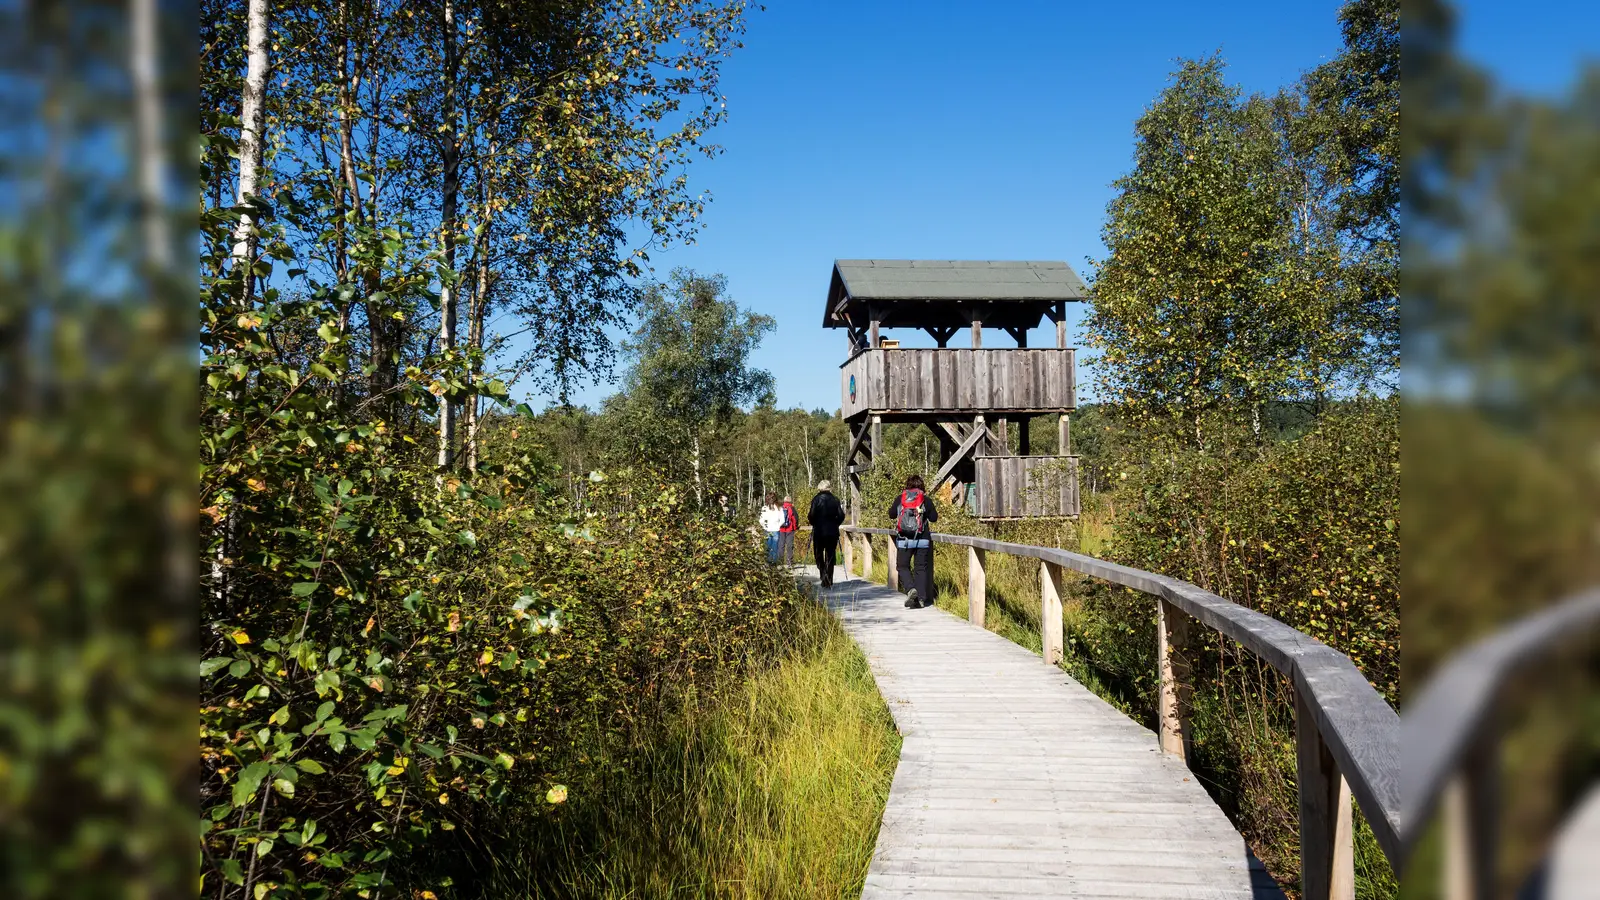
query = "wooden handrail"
{"x": 1451, "y": 737}
{"x": 1347, "y": 736}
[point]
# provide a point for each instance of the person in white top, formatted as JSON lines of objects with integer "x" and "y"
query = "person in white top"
{"x": 772, "y": 522}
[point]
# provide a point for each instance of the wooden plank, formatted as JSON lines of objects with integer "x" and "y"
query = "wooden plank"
{"x": 858, "y": 437}
{"x": 962, "y": 451}
{"x": 1050, "y": 626}
{"x": 1174, "y": 690}
{"x": 1327, "y": 838}
{"x": 1072, "y": 379}
{"x": 1574, "y": 866}
{"x": 981, "y": 375}
{"x": 891, "y": 563}
{"x": 977, "y": 586}
{"x": 1361, "y": 731}
{"x": 1013, "y": 779}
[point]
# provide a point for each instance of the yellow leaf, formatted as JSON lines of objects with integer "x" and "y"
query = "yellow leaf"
{"x": 239, "y": 637}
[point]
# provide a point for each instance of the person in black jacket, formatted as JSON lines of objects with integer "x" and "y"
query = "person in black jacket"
{"x": 919, "y": 549}
{"x": 825, "y": 517}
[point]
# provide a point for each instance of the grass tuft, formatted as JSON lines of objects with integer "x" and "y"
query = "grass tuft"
{"x": 776, "y": 790}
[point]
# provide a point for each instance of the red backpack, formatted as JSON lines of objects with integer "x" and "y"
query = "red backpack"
{"x": 909, "y": 523}
{"x": 791, "y": 520}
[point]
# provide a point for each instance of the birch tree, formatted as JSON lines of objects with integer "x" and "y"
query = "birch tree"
{"x": 691, "y": 362}
{"x": 252, "y": 122}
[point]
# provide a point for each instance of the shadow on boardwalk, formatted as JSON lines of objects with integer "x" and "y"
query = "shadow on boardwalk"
{"x": 1015, "y": 779}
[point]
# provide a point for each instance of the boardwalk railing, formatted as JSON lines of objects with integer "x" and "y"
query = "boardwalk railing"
{"x": 1347, "y": 739}
{"x": 1452, "y": 741}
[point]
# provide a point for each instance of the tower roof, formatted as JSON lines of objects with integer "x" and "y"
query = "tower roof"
{"x": 921, "y": 293}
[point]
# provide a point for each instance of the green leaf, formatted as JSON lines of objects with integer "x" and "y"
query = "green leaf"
{"x": 232, "y": 871}
{"x": 210, "y": 666}
{"x": 240, "y": 668}
{"x": 304, "y": 588}
{"x": 248, "y": 781}
{"x": 326, "y": 681}
{"x": 284, "y": 786}
{"x": 264, "y": 847}
{"x": 310, "y": 767}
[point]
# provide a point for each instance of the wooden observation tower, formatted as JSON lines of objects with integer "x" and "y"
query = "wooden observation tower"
{"x": 968, "y": 398}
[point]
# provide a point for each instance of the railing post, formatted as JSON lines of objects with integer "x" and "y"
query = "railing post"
{"x": 977, "y": 584}
{"x": 1470, "y": 814}
{"x": 1327, "y": 833}
{"x": 891, "y": 560}
{"x": 1050, "y": 610}
{"x": 1172, "y": 638}
{"x": 848, "y": 547}
{"x": 866, "y": 557}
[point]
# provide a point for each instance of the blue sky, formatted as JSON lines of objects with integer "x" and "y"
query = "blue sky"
{"x": 975, "y": 131}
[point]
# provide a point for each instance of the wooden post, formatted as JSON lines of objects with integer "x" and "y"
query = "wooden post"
{"x": 877, "y": 436}
{"x": 977, "y": 333}
{"x": 866, "y": 558}
{"x": 977, "y": 585}
{"x": 872, "y": 327}
{"x": 1471, "y": 838}
{"x": 849, "y": 549}
{"x": 1064, "y": 435}
{"x": 1061, "y": 324}
{"x": 891, "y": 560}
{"x": 1003, "y": 436}
{"x": 1050, "y": 611}
{"x": 1172, "y": 635}
{"x": 1327, "y": 835}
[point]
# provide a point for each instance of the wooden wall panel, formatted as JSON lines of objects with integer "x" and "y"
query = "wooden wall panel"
{"x": 959, "y": 380}
{"x": 1005, "y": 487}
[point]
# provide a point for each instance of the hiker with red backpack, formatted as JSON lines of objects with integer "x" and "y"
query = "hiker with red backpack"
{"x": 912, "y": 511}
{"x": 791, "y": 524}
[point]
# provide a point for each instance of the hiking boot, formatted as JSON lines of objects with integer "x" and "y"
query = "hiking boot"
{"x": 911, "y": 599}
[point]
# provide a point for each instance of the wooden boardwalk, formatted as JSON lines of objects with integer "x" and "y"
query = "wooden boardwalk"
{"x": 1016, "y": 780}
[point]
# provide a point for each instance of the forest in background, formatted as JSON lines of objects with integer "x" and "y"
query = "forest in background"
{"x": 432, "y": 618}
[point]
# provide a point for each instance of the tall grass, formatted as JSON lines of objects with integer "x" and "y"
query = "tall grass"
{"x": 775, "y": 790}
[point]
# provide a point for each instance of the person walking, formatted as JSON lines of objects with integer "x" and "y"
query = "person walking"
{"x": 912, "y": 512}
{"x": 825, "y": 517}
{"x": 772, "y": 520}
{"x": 791, "y": 524}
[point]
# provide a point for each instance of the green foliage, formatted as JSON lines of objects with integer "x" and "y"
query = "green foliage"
{"x": 1253, "y": 249}
{"x": 1205, "y": 297}
{"x": 774, "y": 789}
{"x": 390, "y": 653}
{"x": 1305, "y": 530}
{"x": 690, "y": 369}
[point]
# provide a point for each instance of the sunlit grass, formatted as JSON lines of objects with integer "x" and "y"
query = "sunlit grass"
{"x": 775, "y": 792}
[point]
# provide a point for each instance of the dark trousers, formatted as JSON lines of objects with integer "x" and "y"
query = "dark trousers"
{"x": 786, "y": 547}
{"x": 922, "y": 572}
{"x": 824, "y": 547}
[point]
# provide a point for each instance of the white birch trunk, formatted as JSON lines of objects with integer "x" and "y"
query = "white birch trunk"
{"x": 447, "y": 226}
{"x": 150, "y": 156}
{"x": 252, "y": 118}
{"x": 805, "y": 441}
{"x": 699, "y": 494}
